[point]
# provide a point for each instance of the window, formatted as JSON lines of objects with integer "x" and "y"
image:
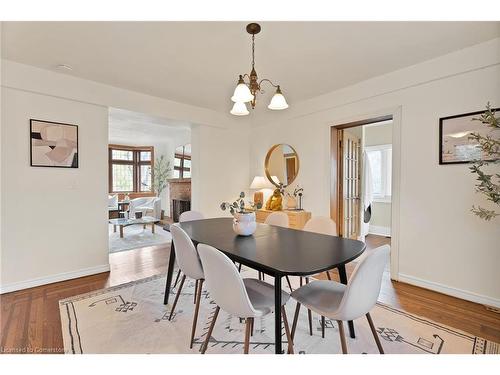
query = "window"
{"x": 381, "y": 166}
{"x": 130, "y": 169}
{"x": 182, "y": 162}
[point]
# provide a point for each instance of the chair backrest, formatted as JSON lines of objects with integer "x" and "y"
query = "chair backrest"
{"x": 364, "y": 286}
{"x": 190, "y": 216}
{"x": 322, "y": 225}
{"x": 224, "y": 283}
{"x": 277, "y": 218}
{"x": 186, "y": 254}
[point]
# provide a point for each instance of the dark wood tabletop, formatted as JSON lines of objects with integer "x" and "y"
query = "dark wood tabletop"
{"x": 276, "y": 251}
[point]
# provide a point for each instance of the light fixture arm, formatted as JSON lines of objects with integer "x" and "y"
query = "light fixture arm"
{"x": 253, "y": 84}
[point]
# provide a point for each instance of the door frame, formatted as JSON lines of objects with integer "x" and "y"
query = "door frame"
{"x": 335, "y": 172}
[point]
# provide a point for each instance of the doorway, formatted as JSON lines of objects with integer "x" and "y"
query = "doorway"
{"x": 361, "y": 194}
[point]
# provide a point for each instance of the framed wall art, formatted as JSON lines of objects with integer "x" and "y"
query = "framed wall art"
{"x": 53, "y": 144}
{"x": 455, "y": 146}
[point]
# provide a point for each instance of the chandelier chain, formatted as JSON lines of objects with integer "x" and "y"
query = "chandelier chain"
{"x": 253, "y": 50}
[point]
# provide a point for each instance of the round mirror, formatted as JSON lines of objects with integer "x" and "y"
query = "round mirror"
{"x": 282, "y": 165}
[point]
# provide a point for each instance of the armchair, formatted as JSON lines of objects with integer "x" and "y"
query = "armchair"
{"x": 149, "y": 206}
{"x": 113, "y": 202}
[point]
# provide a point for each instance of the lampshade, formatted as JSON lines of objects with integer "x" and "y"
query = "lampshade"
{"x": 239, "y": 109}
{"x": 278, "y": 101}
{"x": 260, "y": 182}
{"x": 242, "y": 92}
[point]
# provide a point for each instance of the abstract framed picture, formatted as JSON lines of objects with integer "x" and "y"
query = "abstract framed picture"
{"x": 53, "y": 144}
{"x": 455, "y": 146}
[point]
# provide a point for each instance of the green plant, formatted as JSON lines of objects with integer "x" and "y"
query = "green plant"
{"x": 488, "y": 184}
{"x": 238, "y": 206}
{"x": 161, "y": 172}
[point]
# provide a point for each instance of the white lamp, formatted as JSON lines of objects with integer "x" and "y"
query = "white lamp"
{"x": 278, "y": 102}
{"x": 260, "y": 183}
{"x": 242, "y": 92}
{"x": 239, "y": 109}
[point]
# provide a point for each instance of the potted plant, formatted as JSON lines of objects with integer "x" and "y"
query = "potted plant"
{"x": 244, "y": 223}
{"x": 488, "y": 184}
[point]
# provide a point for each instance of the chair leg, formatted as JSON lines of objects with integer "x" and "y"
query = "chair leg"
{"x": 295, "y": 319}
{"x": 301, "y": 280}
{"x": 289, "y": 283}
{"x": 195, "y": 291}
{"x": 287, "y": 331}
{"x": 177, "y": 278}
{"x": 309, "y": 315}
{"x": 375, "y": 335}
{"x": 239, "y": 268}
{"x": 251, "y": 327}
{"x": 210, "y": 329}
{"x": 248, "y": 328}
{"x": 196, "y": 310}
{"x": 342, "y": 337}
{"x": 177, "y": 296}
{"x": 328, "y": 275}
{"x": 323, "y": 327}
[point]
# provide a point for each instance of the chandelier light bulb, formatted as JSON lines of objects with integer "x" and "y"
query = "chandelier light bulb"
{"x": 278, "y": 102}
{"x": 242, "y": 93}
{"x": 239, "y": 109}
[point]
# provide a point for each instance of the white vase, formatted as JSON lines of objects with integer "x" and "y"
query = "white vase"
{"x": 244, "y": 224}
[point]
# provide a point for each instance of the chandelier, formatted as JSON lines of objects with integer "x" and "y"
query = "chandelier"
{"x": 246, "y": 92}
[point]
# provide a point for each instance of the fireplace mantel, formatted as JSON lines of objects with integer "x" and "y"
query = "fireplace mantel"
{"x": 179, "y": 190}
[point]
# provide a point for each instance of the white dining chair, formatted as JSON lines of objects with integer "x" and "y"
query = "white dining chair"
{"x": 277, "y": 218}
{"x": 346, "y": 302}
{"x": 244, "y": 298}
{"x": 321, "y": 225}
{"x": 188, "y": 216}
{"x": 189, "y": 262}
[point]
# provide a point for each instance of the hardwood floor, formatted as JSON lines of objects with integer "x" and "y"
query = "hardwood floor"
{"x": 30, "y": 321}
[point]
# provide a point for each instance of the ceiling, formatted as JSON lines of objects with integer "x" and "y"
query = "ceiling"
{"x": 198, "y": 62}
{"x": 133, "y": 128}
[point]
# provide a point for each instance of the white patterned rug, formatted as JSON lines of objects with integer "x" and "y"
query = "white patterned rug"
{"x": 131, "y": 318}
{"x": 135, "y": 236}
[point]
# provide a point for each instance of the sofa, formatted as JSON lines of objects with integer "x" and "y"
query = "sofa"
{"x": 149, "y": 206}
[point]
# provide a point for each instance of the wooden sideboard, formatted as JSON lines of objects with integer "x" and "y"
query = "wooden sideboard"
{"x": 297, "y": 219}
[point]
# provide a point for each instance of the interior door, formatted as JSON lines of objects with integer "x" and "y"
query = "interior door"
{"x": 350, "y": 151}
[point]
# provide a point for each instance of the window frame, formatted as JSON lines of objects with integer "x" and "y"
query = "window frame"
{"x": 136, "y": 162}
{"x": 386, "y": 178}
{"x": 181, "y": 168}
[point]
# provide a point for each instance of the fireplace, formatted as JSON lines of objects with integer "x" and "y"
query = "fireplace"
{"x": 178, "y": 207}
{"x": 180, "y": 197}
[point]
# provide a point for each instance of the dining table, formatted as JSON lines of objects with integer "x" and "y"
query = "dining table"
{"x": 276, "y": 251}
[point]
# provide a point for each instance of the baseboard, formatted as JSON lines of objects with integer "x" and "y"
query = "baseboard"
{"x": 379, "y": 231}
{"x": 459, "y": 293}
{"x": 53, "y": 279}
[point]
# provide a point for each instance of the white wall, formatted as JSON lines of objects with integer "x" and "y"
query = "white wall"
{"x": 220, "y": 161}
{"x": 442, "y": 246}
{"x": 54, "y": 219}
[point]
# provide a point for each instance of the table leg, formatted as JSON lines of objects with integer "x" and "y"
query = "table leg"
{"x": 121, "y": 231}
{"x": 343, "y": 280}
{"x": 277, "y": 315}
{"x": 153, "y": 228}
{"x": 114, "y": 228}
{"x": 170, "y": 272}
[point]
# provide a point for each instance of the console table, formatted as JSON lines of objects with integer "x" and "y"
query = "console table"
{"x": 297, "y": 218}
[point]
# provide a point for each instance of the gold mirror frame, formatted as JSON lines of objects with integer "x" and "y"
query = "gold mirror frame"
{"x": 266, "y": 162}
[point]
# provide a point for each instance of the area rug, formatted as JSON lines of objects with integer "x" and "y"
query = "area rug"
{"x": 131, "y": 318}
{"x": 135, "y": 236}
